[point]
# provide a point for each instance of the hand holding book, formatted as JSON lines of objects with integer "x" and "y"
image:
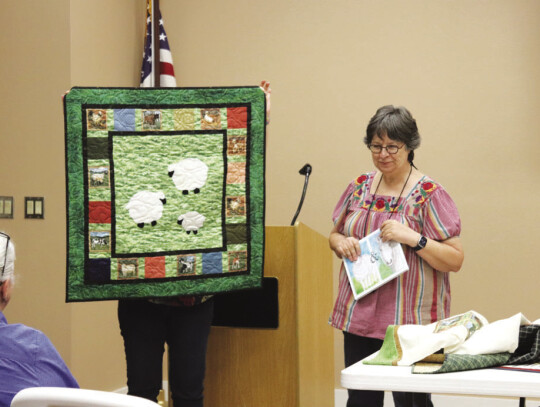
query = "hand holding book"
{"x": 378, "y": 262}
{"x": 345, "y": 247}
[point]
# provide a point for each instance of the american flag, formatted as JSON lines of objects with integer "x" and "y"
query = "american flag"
{"x": 166, "y": 68}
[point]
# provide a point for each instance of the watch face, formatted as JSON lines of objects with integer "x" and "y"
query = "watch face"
{"x": 421, "y": 243}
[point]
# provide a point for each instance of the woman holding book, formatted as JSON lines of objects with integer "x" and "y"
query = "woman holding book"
{"x": 409, "y": 208}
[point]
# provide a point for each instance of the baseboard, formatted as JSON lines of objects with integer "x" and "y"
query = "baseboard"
{"x": 447, "y": 400}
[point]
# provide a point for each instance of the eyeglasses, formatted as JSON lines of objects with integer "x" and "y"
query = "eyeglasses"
{"x": 391, "y": 149}
{"x": 4, "y": 238}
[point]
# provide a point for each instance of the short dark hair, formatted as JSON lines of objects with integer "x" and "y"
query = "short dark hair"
{"x": 398, "y": 124}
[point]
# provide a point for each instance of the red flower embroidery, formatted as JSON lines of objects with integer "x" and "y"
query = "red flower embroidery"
{"x": 361, "y": 179}
{"x": 380, "y": 204}
{"x": 428, "y": 186}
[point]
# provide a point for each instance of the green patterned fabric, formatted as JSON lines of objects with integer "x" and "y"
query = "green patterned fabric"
{"x": 390, "y": 352}
{"x": 165, "y": 191}
{"x": 458, "y": 363}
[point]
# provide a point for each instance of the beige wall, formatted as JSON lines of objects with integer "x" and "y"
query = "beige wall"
{"x": 34, "y": 69}
{"x": 106, "y": 48}
{"x": 467, "y": 70}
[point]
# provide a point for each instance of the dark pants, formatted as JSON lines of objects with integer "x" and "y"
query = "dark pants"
{"x": 146, "y": 327}
{"x": 358, "y": 348}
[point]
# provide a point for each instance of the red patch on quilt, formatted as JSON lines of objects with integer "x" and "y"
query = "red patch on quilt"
{"x": 236, "y": 117}
{"x": 154, "y": 267}
{"x": 99, "y": 212}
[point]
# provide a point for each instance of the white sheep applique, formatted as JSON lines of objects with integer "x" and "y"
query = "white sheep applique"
{"x": 146, "y": 207}
{"x": 191, "y": 221}
{"x": 189, "y": 174}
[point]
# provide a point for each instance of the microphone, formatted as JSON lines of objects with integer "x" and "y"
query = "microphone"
{"x": 306, "y": 171}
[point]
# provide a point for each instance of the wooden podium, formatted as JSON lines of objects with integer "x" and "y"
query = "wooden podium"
{"x": 293, "y": 365}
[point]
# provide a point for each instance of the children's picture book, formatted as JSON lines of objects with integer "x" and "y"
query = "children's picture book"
{"x": 379, "y": 263}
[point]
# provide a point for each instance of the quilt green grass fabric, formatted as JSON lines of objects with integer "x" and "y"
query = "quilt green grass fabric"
{"x": 165, "y": 191}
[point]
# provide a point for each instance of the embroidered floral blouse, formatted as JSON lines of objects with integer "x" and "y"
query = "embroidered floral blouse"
{"x": 420, "y": 295}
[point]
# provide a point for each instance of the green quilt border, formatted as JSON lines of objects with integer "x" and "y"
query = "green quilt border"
{"x": 76, "y": 289}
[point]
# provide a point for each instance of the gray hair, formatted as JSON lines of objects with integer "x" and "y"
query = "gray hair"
{"x": 398, "y": 124}
{"x": 7, "y": 256}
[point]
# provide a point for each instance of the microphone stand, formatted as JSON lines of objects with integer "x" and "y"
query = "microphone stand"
{"x": 305, "y": 170}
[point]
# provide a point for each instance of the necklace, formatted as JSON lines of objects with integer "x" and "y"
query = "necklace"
{"x": 394, "y": 206}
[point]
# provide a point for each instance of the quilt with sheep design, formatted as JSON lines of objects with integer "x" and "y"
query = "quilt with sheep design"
{"x": 165, "y": 191}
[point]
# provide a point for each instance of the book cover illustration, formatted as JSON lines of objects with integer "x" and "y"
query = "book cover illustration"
{"x": 379, "y": 263}
{"x": 470, "y": 320}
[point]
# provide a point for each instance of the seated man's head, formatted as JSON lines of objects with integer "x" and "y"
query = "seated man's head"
{"x": 7, "y": 266}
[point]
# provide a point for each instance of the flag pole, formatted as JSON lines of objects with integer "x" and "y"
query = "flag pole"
{"x": 156, "y": 45}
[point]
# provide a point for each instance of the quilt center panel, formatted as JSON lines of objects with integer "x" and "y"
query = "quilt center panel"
{"x": 167, "y": 192}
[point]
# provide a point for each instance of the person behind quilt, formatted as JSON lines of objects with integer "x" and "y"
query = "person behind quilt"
{"x": 183, "y": 323}
{"x": 27, "y": 356}
{"x": 409, "y": 208}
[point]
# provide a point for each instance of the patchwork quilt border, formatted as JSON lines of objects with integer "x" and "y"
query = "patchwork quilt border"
{"x": 79, "y": 287}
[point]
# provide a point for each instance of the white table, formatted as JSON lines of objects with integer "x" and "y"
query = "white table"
{"x": 482, "y": 382}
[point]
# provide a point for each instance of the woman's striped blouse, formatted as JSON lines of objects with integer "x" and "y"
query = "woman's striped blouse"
{"x": 420, "y": 295}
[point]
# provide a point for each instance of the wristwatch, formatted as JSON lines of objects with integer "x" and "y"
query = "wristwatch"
{"x": 421, "y": 243}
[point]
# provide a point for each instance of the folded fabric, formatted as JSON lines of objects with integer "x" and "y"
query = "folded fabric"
{"x": 457, "y": 363}
{"x": 528, "y": 350}
{"x": 463, "y": 342}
